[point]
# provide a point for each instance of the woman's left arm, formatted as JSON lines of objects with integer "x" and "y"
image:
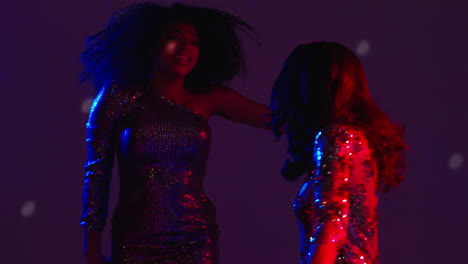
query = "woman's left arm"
{"x": 233, "y": 106}
{"x": 333, "y": 158}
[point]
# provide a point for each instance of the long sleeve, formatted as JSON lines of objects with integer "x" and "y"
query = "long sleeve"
{"x": 107, "y": 108}
{"x": 333, "y": 162}
{"x": 337, "y": 204}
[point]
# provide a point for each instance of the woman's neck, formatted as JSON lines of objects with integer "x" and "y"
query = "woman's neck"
{"x": 169, "y": 86}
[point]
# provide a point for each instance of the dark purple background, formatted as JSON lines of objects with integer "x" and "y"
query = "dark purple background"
{"x": 416, "y": 66}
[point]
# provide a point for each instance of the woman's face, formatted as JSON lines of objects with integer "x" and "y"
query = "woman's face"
{"x": 178, "y": 50}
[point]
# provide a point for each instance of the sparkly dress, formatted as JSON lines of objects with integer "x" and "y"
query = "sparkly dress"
{"x": 337, "y": 204}
{"x": 162, "y": 215}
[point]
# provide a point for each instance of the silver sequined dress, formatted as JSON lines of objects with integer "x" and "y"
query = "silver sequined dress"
{"x": 162, "y": 215}
{"x": 337, "y": 204}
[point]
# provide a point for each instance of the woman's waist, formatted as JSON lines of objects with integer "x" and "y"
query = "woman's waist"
{"x": 165, "y": 220}
{"x": 164, "y": 237}
{"x": 162, "y": 178}
{"x": 174, "y": 202}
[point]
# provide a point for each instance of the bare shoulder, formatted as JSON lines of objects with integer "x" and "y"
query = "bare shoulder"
{"x": 219, "y": 96}
{"x": 208, "y": 103}
{"x": 213, "y": 97}
{"x": 221, "y": 92}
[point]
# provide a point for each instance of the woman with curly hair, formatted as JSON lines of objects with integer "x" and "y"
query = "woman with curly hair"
{"x": 159, "y": 72}
{"x": 344, "y": 143}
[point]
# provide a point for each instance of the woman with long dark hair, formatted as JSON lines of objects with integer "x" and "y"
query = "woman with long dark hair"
{"x": 159, "y": 72}
{"x": 346, "y": 146}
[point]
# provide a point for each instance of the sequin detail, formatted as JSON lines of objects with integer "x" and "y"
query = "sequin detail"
{"x": 337, "y": 204}
{"x": 163, "y": 215}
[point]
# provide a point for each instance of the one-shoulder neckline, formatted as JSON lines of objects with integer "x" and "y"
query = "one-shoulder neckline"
{"x": 183, "y": 107}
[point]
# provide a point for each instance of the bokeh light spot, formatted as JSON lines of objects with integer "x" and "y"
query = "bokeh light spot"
{"x": 363, "y": 48}
{"x": 28, "y": 209}
{"x": 456, "y": 161}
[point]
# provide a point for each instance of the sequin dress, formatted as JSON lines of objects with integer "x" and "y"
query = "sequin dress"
{"x": 162, "y": 215}
{"x": 337, "y": 204}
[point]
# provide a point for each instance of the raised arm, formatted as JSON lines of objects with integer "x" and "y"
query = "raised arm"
{"x": 233, "y": 106}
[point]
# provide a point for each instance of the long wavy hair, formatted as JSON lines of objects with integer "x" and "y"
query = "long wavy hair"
{"x": 121, "y": 51}
{"x": 323, "y": 83}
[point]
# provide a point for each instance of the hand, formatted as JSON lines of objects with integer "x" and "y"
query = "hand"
{"x": 96, "y": 258}
{"x": 92, "y": 248}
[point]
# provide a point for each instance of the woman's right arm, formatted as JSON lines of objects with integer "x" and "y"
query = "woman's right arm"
{"x": 101, "y": 125}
